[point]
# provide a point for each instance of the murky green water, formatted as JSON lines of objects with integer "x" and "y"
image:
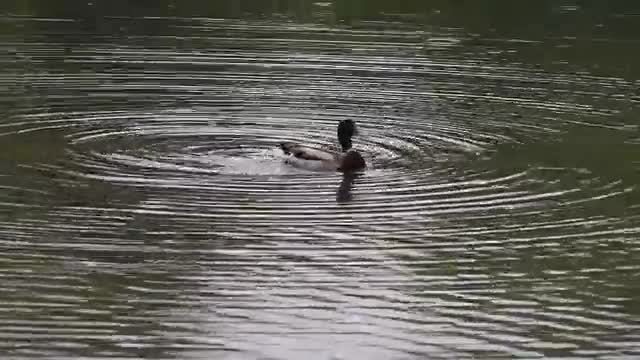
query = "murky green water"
{"x": 145, "y": 210}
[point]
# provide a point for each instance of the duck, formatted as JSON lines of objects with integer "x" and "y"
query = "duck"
{"x": 349, "y": 160}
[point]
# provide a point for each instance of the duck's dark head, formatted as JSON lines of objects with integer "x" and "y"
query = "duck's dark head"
{"x": 346, "y": 130}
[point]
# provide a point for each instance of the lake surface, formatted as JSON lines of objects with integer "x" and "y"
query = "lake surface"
{"x": 146, "y": 212}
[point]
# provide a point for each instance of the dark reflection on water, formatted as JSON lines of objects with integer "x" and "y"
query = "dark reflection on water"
{"x": 344, "y": 193}
{"x": 145, "y": 210}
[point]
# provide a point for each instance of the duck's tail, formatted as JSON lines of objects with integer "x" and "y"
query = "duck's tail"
{"x": 287, "y": 147}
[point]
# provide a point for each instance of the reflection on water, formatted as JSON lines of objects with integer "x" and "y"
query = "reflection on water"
{"x": 146, "y": 211}
{"x": 344, "y": 192}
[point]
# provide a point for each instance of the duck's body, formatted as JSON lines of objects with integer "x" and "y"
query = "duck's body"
{"x": 316, "y": 159}
{"x": 322, "y": 160}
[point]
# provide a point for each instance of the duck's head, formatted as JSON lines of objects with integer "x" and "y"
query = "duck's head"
{"x": 351, "y": 159}
{"x": 346, "y": 130}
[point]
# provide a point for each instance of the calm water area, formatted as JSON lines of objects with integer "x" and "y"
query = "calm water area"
{"x": 146, "y": 210}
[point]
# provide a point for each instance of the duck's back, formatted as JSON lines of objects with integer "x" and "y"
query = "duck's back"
{"x": 307, "y": 153}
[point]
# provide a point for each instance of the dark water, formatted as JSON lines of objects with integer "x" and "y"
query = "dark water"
{"x": 146, "y": 212}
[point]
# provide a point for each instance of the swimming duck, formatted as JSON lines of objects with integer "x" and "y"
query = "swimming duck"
{"x": 348, "y": 160}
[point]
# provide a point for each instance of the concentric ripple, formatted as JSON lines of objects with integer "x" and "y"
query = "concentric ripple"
{"x": 150, "y": 212}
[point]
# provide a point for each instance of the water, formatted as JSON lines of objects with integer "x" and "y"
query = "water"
{"x": 145, "y": 210}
